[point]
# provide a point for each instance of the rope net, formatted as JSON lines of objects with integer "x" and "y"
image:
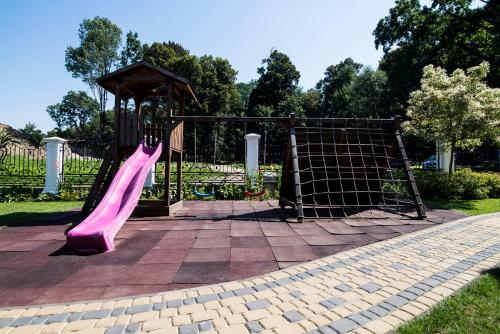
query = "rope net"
{"x": 352, "y": 168}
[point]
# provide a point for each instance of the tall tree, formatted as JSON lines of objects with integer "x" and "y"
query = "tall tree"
{"x": 33, "y": 134}
{"x": 368, "y": 95}
{"x": 278, "y": 80}
{"x": 448, "y": 33}
{"x": 96, "y": 55}
{"x": 132, "y": 51}
{"x": 334, "y": 88}
{"x": 74, "y": 111}
{"x": 458, "y": 110}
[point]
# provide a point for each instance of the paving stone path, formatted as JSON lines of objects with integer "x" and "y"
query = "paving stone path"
{"x": 371, "y": 289}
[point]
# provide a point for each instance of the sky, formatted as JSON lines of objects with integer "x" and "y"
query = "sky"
{"x": 314, "y": 34}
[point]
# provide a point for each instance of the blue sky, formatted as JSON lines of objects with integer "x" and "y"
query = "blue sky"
{"x": 314, "y": 34}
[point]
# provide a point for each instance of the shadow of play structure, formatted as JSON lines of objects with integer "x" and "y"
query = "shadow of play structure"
{"x": 331, "y": 167}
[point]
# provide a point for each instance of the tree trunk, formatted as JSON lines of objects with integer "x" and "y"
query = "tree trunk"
{"x": 452, "y": 157}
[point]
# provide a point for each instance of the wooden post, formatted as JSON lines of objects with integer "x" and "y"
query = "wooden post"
{"x": 295, "y": 170}
{"x": 140, "y": 119}
{"x": 179, "y": 177}
{"x": 116, "y": 144}
{"x": 168, "y": 130}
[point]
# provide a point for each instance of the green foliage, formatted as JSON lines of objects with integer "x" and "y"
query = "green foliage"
{"x": 448, "y": 33}
{"x": 334, "y": 88}
{"x": 17, "y": 193}
{"x": 133, "y": 50}
{"x": 96, "y": 55}
{"x": 459, "y": 110}
{"x": 368, "y": 95}
{"x": 74, "y": 111}
{"x": 32, "y": 134}
{"x": 6, "y": 140}
{"x": 463, "y": 184}
{"x": 278, "y": 80}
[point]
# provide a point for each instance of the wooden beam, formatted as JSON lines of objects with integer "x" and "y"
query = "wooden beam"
{"x": 168, "y": 131}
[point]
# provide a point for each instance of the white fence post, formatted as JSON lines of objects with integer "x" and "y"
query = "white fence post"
{"x": 252, "y": 158}
{"x": 443, "y": 157}
{"x": 150, "y": 178}
{"x": 53, "y": 164}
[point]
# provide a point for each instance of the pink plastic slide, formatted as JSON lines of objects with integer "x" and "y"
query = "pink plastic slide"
{"x": 97, "y": 232}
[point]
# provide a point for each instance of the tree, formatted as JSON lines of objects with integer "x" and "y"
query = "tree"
{"x": 459, "y": 110}
{"x": 334, "y": 88}
{"x": 32, "y": 134}
{"x": 74, "y": 111}
{"x": 448, "y": 33}
{"x": 368, "y": 95}
{"x": 311, "y": 102}
{"x": 278, "y": 79}
{"x": 132, "y": 51}
{"x": 245, "y": 89}
{"x": 96, "y": 56}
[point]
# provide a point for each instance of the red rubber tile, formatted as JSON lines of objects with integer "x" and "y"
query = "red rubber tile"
{"x": 202, "y": 272}
{"x": 241, "y": 242}
{"x": 251, "y": 254}
{"x": 286, "y": 241}
{"x": 164, "y": 256}
{"x": 174, "y": 243}
{"x": 208, "y": 255}
{"x": 294, "y": 253}
{"x": 241, "y": 270}
{"x": 211, "y": 242}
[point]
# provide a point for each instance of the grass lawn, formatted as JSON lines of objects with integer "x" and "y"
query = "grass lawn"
{"x": 470, "y": 207}
{"x": 475, "y": 309}
{"x": 18, "y": 212}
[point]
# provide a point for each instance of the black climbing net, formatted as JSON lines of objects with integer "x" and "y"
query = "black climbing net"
{"x": 354, "y": 168}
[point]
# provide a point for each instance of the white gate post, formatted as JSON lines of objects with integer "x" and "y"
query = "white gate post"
{"x": 252, "y": 158}
{"x": 444, "y": 157}
{"x": 150, "y": 178}
{"x": 53, "y": 164}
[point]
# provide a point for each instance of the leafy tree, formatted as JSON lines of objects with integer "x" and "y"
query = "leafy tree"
{"x": 334, "y": 88}
{"x": 311, "y": 102}
{"x": 32, "y": 134}
{"x": 459, "y": 110}
{"x": 448, "y": 33}
{"x": 278, "y": 80}
{"x": 132, "y": 51}
{"x": 245, "y": 89}
{"x": 74, "y": 111}
{"x": 96, "y": 56}
{"x": 368, "y": 95}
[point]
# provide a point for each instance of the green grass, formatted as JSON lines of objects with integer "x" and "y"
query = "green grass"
{"x": 475, "y": 309}
{"x": 470, "y": 207}
{"x": 15, "y": 213}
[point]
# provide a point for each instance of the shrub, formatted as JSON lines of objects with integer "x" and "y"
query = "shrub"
{"x": 463, "y": 184}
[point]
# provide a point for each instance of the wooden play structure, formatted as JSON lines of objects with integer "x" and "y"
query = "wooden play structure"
{"x": 331, "y": 168}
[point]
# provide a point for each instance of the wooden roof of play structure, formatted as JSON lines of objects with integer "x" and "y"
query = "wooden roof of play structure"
{"x": 144, "y": 79}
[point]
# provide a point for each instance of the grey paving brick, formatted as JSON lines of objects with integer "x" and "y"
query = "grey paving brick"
{"x": 431, "y": 282}
{"x": 22, "y": 321}
{"x": 43, "y": 319}
{"x": 243, "y": 291}
{"x": 226, "y": 294}
{"x": 369, "y": 315}
{"x": 139, "y": 308}
{"x": 326, "y": 330}
{"x": 284, "y": 281}
{"x": 118, "y": 311}
{"x": 343, "y": 287}
{"x": 257, "y": 304}
{"x": 189, "y": 329}
{"x": 337, "y": 301}
{"x": 314, "y": 331}
{"x": 75, "y": 316}
{"x": 260, "y": 287}
{"x": 315, "y": 271}
{"x": 359, "y": 319}
{"x": 387, "y": 306}
{"x": 133, "y": 328}
{"x": 343, "y": 325}
{"x": 254, "y": 326}
{"x": 415, "y": 291}
{"x": 207, "y": 298}
{"x": 189, "y": 301}
{"x": 175, "y": 303}
{"x": 327, "y": 304}
{"x": 422, "y": 286}
{"x": 293, "y": 316}
{"x": 336, "y": 265}
{"x": 271, "y": 285}
{"x": 370, "y": 287}
{"x": 296, "y": 293}
{"x": 397, "y": 265}
{"x": 205, "y": 326}
{"x": 397, "y": 301}
{"x": 378, "y": 310}
{"x": 61, "y": 317}
{"x": 159, "y": 306}
{"x": 5, "y": 322}
{"x": 304, "y": 275}
{"x": 407, "y": 295}
{"x": 97, "y": 314}
{"x": 118, "y": 329}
